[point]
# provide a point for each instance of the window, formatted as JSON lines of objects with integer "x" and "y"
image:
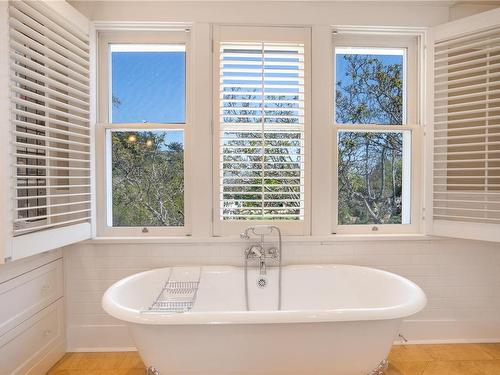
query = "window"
{"x": 262, "y": 123}
{"x": 143, "y": 132}
{"x": 376, "y": 127}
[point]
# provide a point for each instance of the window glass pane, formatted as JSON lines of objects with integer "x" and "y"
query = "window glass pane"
{"x": 148, "y": 83}
{"x": 147, "y": 173}
{"x": 370, "y": 87}
{"x": 373, "y": 177}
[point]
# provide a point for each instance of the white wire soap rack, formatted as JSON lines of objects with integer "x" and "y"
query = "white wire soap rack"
{"x": 175, "y": 296}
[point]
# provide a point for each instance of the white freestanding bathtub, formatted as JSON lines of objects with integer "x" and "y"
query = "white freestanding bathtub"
{"x": 335, "y": 320}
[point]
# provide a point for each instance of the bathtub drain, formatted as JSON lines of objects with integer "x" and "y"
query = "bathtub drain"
{"x": 261, "y": 282}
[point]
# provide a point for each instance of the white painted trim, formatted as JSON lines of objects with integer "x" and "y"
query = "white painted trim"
{"x": 379, "y": 30}
{"x": 141, "y": 26}
{"x": 200, "y": 162}
{"x": 48, "y": 360}
{"x": 470, "y": 231}
{"x": 104, "y": 349}
{"x": 407, "y": 190}
{"x": 14, "y": 269}
{"x": 93, "y": 76}
{"x": 449, "y": 331}
{"x": 5, "y": 170}
{"x": 38, "y": 242}
{"x": 464, "y": 26}
{"x": 451, "y": 341}
{"x": 321, "y": 131}
{"x": 428, "y": 137}
{"x": 324, "y": 240}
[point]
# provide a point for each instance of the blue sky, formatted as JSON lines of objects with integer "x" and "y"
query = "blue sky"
{"x": 150, "y": 87}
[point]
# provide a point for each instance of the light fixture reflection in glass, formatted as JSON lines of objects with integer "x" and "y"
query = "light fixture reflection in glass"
{"x": 132, "y": 138}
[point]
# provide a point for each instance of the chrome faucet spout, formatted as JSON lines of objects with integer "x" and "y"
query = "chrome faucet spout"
{"x": 263, "y": 271}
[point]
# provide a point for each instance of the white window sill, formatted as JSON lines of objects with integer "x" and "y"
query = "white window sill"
{"x": 286, "y": 239}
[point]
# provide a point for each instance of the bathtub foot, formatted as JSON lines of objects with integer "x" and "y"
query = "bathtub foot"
{"x": 380, "y": 370}
{"x": 152, "y": 371}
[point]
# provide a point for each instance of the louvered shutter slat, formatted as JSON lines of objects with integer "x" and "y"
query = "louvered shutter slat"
{"x": 466, "y": 162}
{"x": 49, "y": 120}
{"x": 261, "y": 131}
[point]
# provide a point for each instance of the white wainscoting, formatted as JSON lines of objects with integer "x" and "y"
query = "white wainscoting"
{"x": 461, "y": 280}
{"x": 32, "y": 326}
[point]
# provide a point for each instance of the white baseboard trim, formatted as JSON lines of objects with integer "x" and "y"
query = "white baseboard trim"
{"x": 48, "y": 360}
{"x": 116, "y": 338}
{"x": 465, "y": 341}
{"x": 450, "y": 331}
{"x": 103, "y": 349}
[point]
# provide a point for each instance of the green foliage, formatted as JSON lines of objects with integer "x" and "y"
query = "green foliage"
{"x": 370, "y": 171}
{"x": 147, "y": 179}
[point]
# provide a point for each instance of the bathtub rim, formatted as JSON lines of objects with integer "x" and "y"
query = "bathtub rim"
{"x": 127, "y": 314}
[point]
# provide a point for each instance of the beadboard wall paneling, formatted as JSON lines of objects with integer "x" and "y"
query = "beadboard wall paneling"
{"x": 461, "y": 280}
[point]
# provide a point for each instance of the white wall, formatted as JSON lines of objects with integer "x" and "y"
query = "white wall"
{"x": 468, "y": 8}
{"x": 268, "y": 12}
{"x": 461, "y": 278}
{"x": 397, "y": 13}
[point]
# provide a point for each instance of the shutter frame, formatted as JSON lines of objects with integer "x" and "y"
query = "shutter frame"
{"x": 457, "y": 165}
{"x": 5, "y": 169}
{"x": 50, "y": 134}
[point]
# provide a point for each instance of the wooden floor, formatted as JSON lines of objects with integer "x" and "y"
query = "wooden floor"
{"x": 457, "y": 359}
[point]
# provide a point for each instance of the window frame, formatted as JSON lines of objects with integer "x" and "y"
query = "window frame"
{"x": 246, "y": 33}
{"x": 137, "y": 36}
{"x": 411, "y": 123}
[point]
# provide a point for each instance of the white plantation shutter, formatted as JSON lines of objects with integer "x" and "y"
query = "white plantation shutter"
{"x": 261, "y": 131}
{"x": 50, "y": 133}
{"x": 466, "y": 165}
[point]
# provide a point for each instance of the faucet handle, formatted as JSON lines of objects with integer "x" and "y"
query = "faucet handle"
{"x": 244, "y": 236}
{"x": 273, "y": 252}
{"x": 254, "y": 251}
